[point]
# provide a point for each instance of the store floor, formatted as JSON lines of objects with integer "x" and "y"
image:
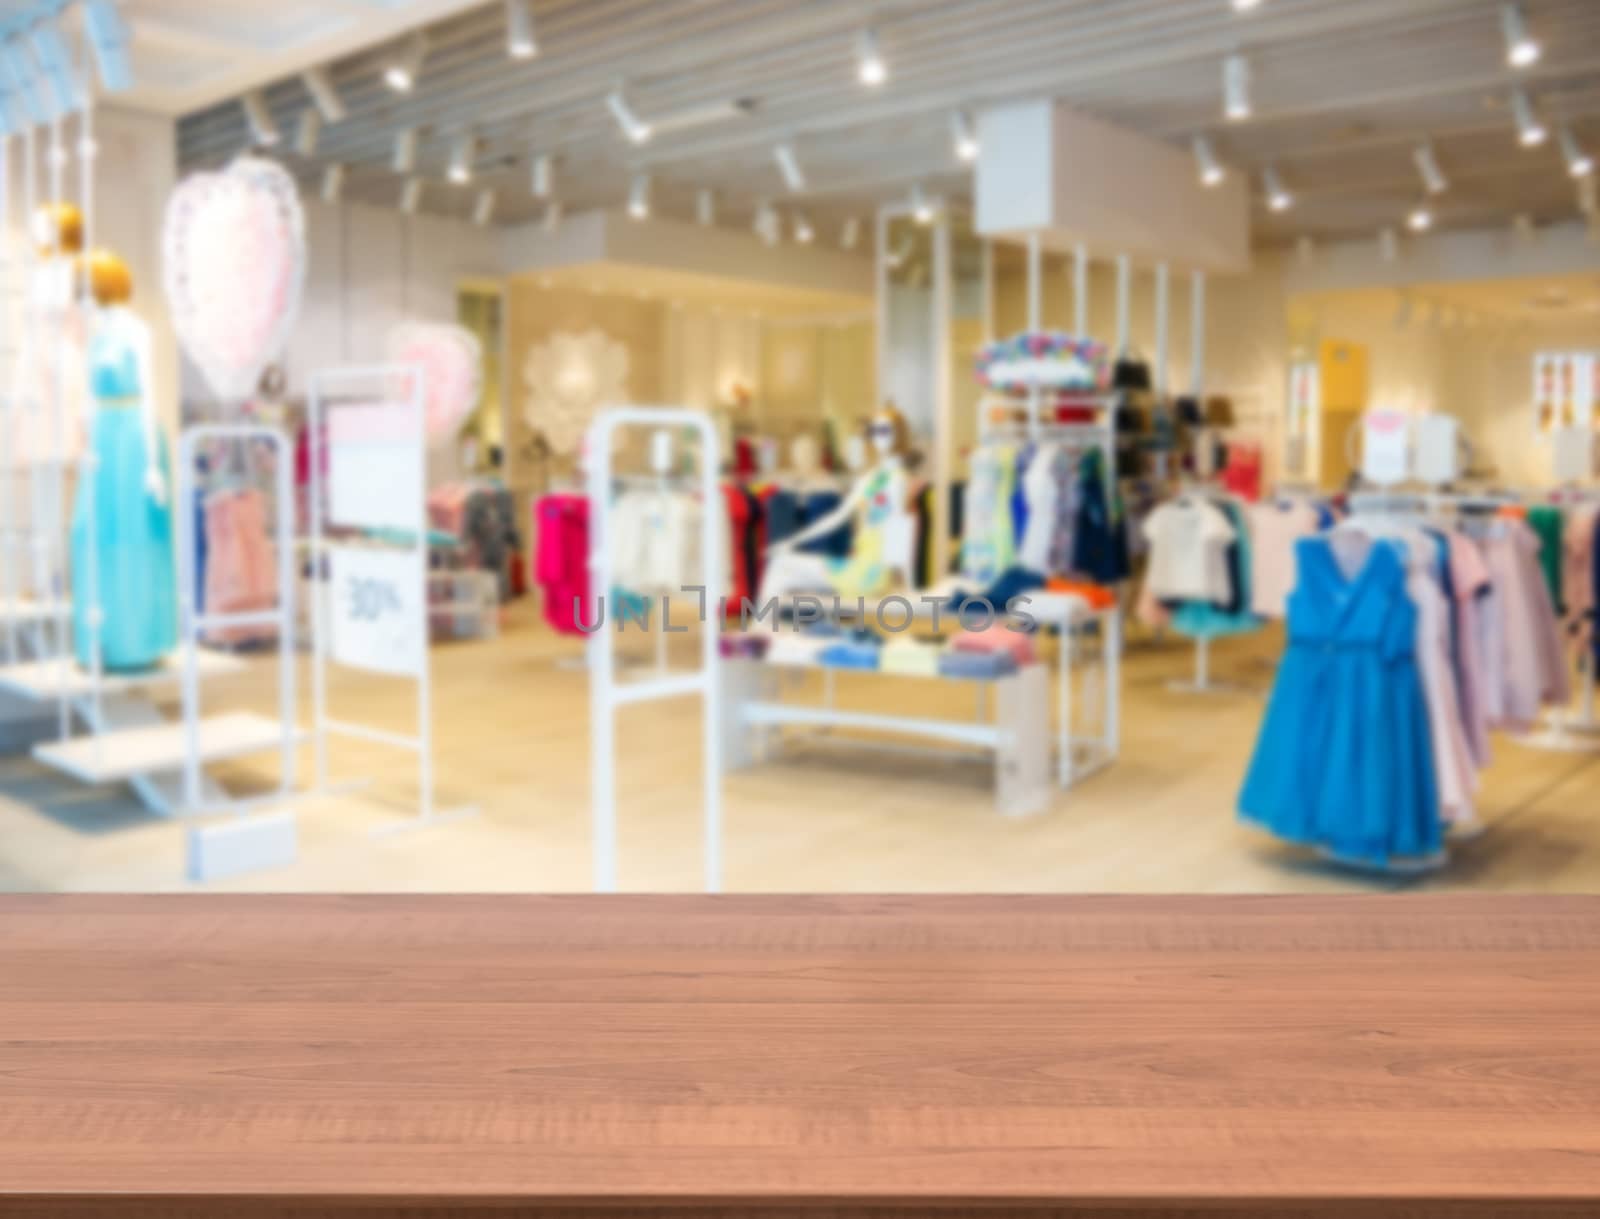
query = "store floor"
{"x": 512, "y": 740}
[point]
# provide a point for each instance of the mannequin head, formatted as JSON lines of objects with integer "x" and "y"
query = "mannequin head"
{"x": 58, "y": 230}
{"x": 109, "y": 280}
{"x": 889, "y": 434}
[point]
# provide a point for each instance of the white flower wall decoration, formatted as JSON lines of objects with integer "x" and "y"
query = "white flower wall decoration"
{"x": 568, "y": 378}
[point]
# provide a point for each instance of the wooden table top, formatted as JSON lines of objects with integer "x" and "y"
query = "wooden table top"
{"x": 746, "y": 1055}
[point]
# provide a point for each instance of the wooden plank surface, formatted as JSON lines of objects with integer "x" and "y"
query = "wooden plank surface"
{"x": 289, "y": 1055}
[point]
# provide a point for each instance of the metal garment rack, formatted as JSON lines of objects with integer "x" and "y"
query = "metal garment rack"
{"x": 606, "y": 695}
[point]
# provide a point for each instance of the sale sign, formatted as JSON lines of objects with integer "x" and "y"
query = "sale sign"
{"x": 378, "y": 619}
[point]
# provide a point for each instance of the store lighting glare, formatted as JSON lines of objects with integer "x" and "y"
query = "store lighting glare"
{"x": 109, "y": 41}
{"x": 705, "y": 207}
{"x": 411, "y": 196}
{"x": 483, "y": 208}
{"x": 639, "y": 197}
{"x": 1522, "y": 49}
{"x": 1579, "y": 163}
{"x": 402, "y": 71}
{"x": 851, "y": 233}
{"x": 633, "y": 127}
{"x": 964, "y": 135}
{"x": 870, "y": 68}
{"x": 462, "y": 151}
{"x": 323, "y": 95}
{"x": 1236, "y": 88}
{"x": 1433, "y": 179}
{"x": 543, "y": 176}
{"x": 1245, "y": 6}
{"x": 921, "y": 206}
{"x": 405, "y": 151}
{"x": 1205, "y": 156}
{"x": 1421, "y": 218}
{"x": 333, "y": 183}
{"x": 1531, "y": 131}
{"x": 307, "y": 132}
{"x": 263, "y": 131}
{"x": 803, "y": 232}
{"x": 789, "y": 166}
{"x": 1278, "y": 197}
{"x": 520, "y": 42}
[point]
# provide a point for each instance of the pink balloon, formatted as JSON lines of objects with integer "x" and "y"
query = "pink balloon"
{"x": 451, "y": 359}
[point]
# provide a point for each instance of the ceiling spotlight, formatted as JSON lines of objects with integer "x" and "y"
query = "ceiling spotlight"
{"x": 1211, "y": 171}
{"x": 402, "y": 70}
{"x": 633, "y": 127}
{"x": 520, "y": 43}
{"x": 1522, "y": 49}
{"x": 263, "y": 131}
{"x": 1421, "y": 218}
{"x": 1278, "y": 197}
{"x": 789, "y": 167}
{"x": 544, "y": 174}
{"x": 1531, "y": 130}
{"x": 1236, "y": 88}
{"x": 965, "y": 136}
{"x": 1433, "y": 179}
{"x": 483, "y": 208}
{"x": 870, "y": 68}
{"x": 705, "y": 207}
{"x": 1389, "y": 245}
{"x": 323, "y": 95}
{"x": 405, "y": 151}
{"x": 1579, "y": 163}
{"x": 639, "y": 197}
{"x": 332, "y": 183}
{"x": 307, "y": 132}
{"x": 803, "y": 232}
{"x": 1244, "y": 6}
{"x": 851, "y": 233}
{"x": 411, "y": 196}
{"x": 921, "y": 205}
{"x": 462, "y": 151}
{"x": 109, "y": 40}
{"x": 552, "y": 215}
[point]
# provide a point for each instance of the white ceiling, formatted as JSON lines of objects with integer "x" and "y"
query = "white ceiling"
{"x": 1344, "y": 89}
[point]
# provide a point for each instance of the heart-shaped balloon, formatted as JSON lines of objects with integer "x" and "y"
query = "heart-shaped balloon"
{"x": 233, "y": 265}
{"x": 451, "y": 359}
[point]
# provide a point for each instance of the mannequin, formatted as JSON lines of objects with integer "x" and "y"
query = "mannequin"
{"x": 52, "y": 360}
{"x": 132, "y": 581}
{"x": 878, "y": 503}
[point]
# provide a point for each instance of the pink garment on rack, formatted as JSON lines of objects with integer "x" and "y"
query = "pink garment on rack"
{"x": 1470, "y": 577}
{"x": 561, "y": 559}
{"x": 447, "y": 508}
{"x": 1577, "y": 576}
{"x": 1535, "y": 671}
{"x": 996, "y": 638}
{"x": 241, "y": 563}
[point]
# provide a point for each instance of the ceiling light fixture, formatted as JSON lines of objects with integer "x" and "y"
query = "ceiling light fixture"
{"x": 964, "y": 135}
{"x": 263, "y": 131}
{"x": 789, "y": 166}
{"x": 803, "y": 232}
{"x": 851, "y": 233}
{"x": 921, "y": 206}
{"x": 1278, "y": 197}
{"x": 1522, "y": 49}
{"x": 406, "y": 65}
{"x": 1421, "y": 218}
{"x": 1579, "y": 163}
{"x": 1531, "y": 130}
{"x": 870, "y": 68}
{"x": 1236, "y": 88}
{"x": 639, "y": 197}
{"x": 483, "y": 208}
{"x": 1211, "y": 171}
{"x": 705, "y": 207}
{"x": 543, "y": 175}
{"x": 633, "y": 127}
{"x": 333, "y": 183}
{"x": 1245, "y": 6}
{"x": 323, "y": 95}
{"x": 307, "y": 132}
{"x": 411, "y": 196}
{"x": 405, "y": 151}
{"x": 520, "y": 42}
{"x": 462, "y": 152}
{"x": 1433, "y": 179}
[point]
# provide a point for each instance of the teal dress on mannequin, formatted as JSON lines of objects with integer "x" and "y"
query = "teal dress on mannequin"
{"x": 132, "y": 530}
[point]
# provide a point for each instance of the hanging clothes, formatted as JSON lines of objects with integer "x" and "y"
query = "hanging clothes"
{"x": 1231, "y": 614}
{"x": 1547, "y": 522}
{"x": 241, "y": 574}
{"x": 1100, "y": 543}
{"x": 561, "y": 559}
{"x": 1275, "y": 528}
{"x": 988, "y": 543}
{"x": 1189, "y": 539}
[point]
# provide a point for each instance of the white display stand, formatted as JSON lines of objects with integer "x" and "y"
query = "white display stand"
{"x": 369, "y": 596}
{"x": 606, "y": 694}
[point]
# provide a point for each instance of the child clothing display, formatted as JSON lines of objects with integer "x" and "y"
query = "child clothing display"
{"x": 561, "y": 559}
{"x": 1275, "y": 527}
{"x": 240, "y": 568}
{"x": 133, "y": 577}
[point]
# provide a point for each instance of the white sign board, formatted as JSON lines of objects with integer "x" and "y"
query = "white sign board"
{"x": 378, "y": 618}
{"x": 1438, "y": 449}
{"x": 375, "y": 467}
{"x": 1386, "y": 447}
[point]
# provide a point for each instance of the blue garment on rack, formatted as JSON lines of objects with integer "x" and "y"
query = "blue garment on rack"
{"x": 784, "y": 517}
{"x": 1200, "y": 620}
{"x": 133, "y": 578}
{"x": 1100, "y": 535}
{"x": 1345, "y": 757}
{"x": 836, "y": 544}
{"x": 1019, "y": 496}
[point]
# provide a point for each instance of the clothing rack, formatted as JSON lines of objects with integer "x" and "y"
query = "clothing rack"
{"x": 1566, "y": 732}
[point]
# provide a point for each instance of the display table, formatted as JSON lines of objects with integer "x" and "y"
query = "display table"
{"x": 269, "y": 1056}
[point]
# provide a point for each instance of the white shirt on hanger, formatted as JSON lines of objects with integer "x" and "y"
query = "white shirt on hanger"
{"x": 1188, "y": 551}
{"x": 1040, "y": 491}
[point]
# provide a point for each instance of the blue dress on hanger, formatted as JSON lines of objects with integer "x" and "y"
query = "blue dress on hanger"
{"x": 1345, "y": 757}
{"x": 136, "y": 583}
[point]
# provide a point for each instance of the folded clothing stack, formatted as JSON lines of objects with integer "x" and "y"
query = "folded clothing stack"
{"x": 744, "y": 646}
{"x": 956, "y": 663}
{"x": 911, "y": 657}
{"x": 996, "y": 639}
{"x": 860, "y": 651}
{"x": 797, "y": 650}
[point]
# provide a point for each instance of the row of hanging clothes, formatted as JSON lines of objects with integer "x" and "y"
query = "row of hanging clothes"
{"x": 1416, "y": 625}
{"x": 472, "y": 526}
{"x": 1568, "y": 528}
{"x": 236, "y": 569}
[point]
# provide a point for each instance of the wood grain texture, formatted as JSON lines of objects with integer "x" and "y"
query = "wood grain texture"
{"x": 1286, "y": 1056}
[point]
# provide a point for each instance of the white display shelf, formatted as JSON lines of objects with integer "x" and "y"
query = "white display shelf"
{"x": 49, "y": 679}
{"x": 115, "y": 757}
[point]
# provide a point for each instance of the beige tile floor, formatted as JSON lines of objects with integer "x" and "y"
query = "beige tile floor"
{"x": 512, "y": 724}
